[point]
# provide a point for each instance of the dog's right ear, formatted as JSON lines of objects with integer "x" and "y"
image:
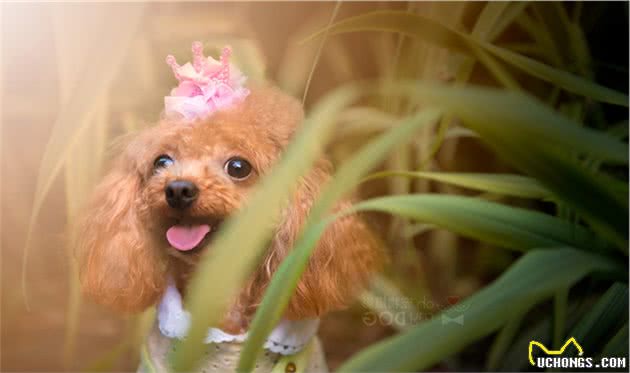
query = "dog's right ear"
{"x": 117, "y": 265}
{"x": 340, "y": 266}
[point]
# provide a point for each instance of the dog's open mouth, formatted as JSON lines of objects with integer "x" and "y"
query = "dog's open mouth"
{"x": 187, "y": 237}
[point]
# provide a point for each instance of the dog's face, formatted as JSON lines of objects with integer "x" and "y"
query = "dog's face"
{"x": 195, "y": 175}
{"x": 173, "y": 186}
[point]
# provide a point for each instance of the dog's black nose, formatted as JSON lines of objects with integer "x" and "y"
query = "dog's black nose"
{"x": 180, "y": 194}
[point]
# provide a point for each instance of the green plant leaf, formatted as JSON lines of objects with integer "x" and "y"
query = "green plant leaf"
{"x": 538, "y": 328}
{"x": 502, "y": 341}
{"x": 532, "y": 278}
{"x": 512, "y": 12}
{"x": 432, "y": 31}
{"x": 491, "y": 222}
{"x": 608, "y": 314}
{"x": 618, "y": 344}
{"x": 560, "y": 306}
{"x": 506, "y": 226}
{"x": 594, "y": 196}
{"x": 506, "y": 184}
{"x": 522, "y": 117}
{"x": 543, "y": 144}
{"x": 284, "y": 281}
{"x": 243, "y": 237}
{"x": 145, "y": 360}
{"x": 489, "y": 17}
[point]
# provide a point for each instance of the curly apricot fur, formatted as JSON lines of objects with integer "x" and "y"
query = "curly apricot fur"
{"x": 125, "y": 259}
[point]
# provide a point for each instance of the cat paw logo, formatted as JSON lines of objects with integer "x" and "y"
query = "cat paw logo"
{"x": 554, "y": 358}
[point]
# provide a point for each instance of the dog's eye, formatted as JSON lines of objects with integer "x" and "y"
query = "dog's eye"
{"x": 162, "y": 161}
{"x": 238, "y": 168}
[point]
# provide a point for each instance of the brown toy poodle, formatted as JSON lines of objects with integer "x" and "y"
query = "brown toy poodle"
{"x": 155, "y": 213}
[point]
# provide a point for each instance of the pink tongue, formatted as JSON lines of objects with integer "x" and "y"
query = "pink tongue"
{"x": 186, "y": 237}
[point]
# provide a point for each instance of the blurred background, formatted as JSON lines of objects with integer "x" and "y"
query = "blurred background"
{"x": 77, "y": 76}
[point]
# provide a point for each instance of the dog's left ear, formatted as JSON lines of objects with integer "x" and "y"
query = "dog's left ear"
{"x": 119, "y": 268}
{"x": 341, "y": 264}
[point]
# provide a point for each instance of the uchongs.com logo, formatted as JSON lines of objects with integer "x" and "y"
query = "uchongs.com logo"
{"x": 550, "y": 359}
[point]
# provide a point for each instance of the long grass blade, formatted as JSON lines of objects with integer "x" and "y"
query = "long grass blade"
{"x": 430, "y": 30}
{"x": 608, "y": 314}
{"x": 618, "y": 344}
{"x": 560, "y": 305}
{"x": 506, "y": 226}
{"x": 543, "y": 144}
{"x": 73, "y": 116}
{"x": 505, "y": 184}
{"x": 532, "y": 278}
{"x": 502, "y": 342}
{"x": 538, "y": 329}
{"x": 224, "y": 271}
{"x": 509, "y": 227}
{"x": 488, "y": 18}
{"x": 83, "y": 161}
{"x": 594, "y": 196}
{"x": 521, "y": 117}
{"x": 511, "y": 13}
{"x": 319, "y": 52}
{"x": 284, "y": 281}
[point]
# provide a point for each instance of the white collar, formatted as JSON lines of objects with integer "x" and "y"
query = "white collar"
{"x": 288, "y": 337}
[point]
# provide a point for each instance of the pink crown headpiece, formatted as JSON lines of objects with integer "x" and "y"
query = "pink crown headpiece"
{"x": 205, "y": 86}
